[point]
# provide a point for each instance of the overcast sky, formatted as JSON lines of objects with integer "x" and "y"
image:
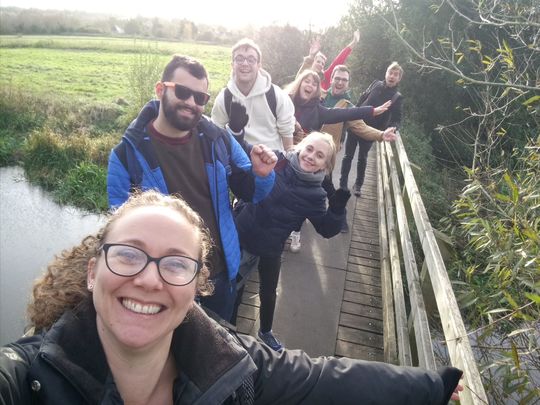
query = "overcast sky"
{"x": 231, "y": 13}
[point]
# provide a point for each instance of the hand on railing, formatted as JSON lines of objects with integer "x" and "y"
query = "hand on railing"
{"x": 389, "y": 134}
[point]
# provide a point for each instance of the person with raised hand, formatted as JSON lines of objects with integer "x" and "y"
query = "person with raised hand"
{"x": 173, "y": 148}
{"x": 316, "y": 60}
{"x": 305, "y": 92}
{"x": 270, "y": 111}
{"x": 297, "y": 195}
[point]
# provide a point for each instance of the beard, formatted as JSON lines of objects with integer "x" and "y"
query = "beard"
{"x": 172, "y": 114}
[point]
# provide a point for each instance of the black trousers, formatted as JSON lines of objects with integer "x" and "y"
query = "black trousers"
{"x": 363, "y": 150}
{"x": 269, "y": 269}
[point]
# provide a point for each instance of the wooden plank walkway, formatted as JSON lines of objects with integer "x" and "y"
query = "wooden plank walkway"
{"x": 355, "y": 284}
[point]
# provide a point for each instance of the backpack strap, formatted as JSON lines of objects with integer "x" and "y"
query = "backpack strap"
{"x": 227, "y": 97}
{"x": 366, "y": 93}
{"x": 126, "y": 155}
{"x": 270, "y": 99}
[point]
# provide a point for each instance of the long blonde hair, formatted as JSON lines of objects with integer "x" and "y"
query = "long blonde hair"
{"x": 331, "y": 159}
{"x": 63, "y": 286}
{"x": 293, "y": 88}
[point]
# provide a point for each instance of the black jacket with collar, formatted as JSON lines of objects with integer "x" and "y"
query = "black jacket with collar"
{"x": 376, "y": 94}
{"x": 67, "y": 365}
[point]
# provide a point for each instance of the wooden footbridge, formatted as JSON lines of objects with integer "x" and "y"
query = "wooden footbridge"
{"x": 363, "y": 294}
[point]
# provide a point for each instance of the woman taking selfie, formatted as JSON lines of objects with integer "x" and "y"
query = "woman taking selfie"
{"x": 116, "y": 323}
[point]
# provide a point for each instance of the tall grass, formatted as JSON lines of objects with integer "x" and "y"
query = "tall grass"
{"x": 59, "y": 104}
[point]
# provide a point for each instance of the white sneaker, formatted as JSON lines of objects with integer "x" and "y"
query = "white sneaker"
{"x": 295, "y": 242}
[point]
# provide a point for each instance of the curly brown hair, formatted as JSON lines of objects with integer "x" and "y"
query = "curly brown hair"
{"x": 63, "y": 286}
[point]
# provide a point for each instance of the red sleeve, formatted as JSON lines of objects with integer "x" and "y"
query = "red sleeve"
{"x": 339, "y": 60}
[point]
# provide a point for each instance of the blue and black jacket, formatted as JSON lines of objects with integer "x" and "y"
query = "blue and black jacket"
{"x": 133, "y": 164}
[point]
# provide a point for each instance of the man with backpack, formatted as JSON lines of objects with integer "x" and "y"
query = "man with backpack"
{"x": 172, "y": 148}
{"x": 271, "y": 111}
{"x": 338, "y": 97}
{"x": 377, "y": 93}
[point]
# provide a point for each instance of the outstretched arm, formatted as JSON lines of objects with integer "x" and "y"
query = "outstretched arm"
{"x": 308, "y": 60}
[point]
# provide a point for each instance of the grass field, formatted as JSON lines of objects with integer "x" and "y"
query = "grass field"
{"x": 94, "y": 69}
{"x": 59, "y": 116}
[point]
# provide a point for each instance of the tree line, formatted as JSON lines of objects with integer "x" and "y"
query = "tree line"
{"x": 19, "y": 21}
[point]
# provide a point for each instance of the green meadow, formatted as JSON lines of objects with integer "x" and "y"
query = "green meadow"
{"x": 94, "y": 69}
{"x": 65, "y": 102}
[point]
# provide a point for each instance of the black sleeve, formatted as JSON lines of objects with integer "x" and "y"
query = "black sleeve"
{"x": 335, "y": 115}
{"x": 15, "y": 360}
{"x": 292, "y": 377}
{"x": 395, "y": 113}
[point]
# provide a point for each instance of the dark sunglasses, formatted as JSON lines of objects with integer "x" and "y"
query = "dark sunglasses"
{"x": 183, "y": 93}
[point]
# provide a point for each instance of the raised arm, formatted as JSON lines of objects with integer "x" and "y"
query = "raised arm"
{"x": 339, "y": 60}
{"x": 308, "y": 60}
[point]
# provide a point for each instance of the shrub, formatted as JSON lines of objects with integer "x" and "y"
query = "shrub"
{"x": 85, "y": 186}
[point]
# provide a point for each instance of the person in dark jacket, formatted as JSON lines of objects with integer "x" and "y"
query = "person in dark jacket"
{"x": 378, "y": 92}
{"x": 172, "y": 148}
{"x": 116, "y": 323}
{"x": 305, "y": 91}
{"x": 297, "y": 195}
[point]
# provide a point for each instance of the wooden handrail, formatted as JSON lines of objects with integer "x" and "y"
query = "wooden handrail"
{"x": 426, "y": 358}
{"x": 396, "y": 283}
{"x": 459, "y": 347}
{"x": 389, "y": 323}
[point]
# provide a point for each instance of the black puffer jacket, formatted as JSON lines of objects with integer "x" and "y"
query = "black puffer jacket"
{"x": 67, "y": 365}
{"x": 264, "y": 227}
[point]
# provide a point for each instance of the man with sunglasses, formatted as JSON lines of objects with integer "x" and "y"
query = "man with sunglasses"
{"x": 270, "y": 109}
{"x": 171, "y": 147}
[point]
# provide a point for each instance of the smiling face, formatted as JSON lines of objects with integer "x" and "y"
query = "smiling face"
{"x": 308, "y": 88}
{"x": 340, "y": 82}
{"x": 181, "y": 114}
{"x": 314, "y": 156}
{"x": 245, "y": 65}
{"x": 142, "y": 311}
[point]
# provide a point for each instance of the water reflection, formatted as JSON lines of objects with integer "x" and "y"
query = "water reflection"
{"x": 33, "y": 229}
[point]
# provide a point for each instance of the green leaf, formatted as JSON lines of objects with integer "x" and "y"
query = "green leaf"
{"x": 502, "y": 197}
{"x": 511, "y": 300}
{"x": 515, "y": 356}
{"x": 533, "y": 297}
{"x": 531, "y": 100}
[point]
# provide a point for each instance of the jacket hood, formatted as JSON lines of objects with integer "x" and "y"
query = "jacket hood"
{"x": 261, "y": 86}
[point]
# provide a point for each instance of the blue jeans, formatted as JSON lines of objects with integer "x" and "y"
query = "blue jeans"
{"x": 222, "y": 300}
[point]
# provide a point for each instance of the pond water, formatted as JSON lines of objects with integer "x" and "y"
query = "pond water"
{"x": 33, "y": 228}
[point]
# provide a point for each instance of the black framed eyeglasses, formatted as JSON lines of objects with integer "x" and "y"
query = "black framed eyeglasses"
{"x": 183, "y": 93}
{"x": 239, "y": 59}
{"x": 128, "y": 261}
